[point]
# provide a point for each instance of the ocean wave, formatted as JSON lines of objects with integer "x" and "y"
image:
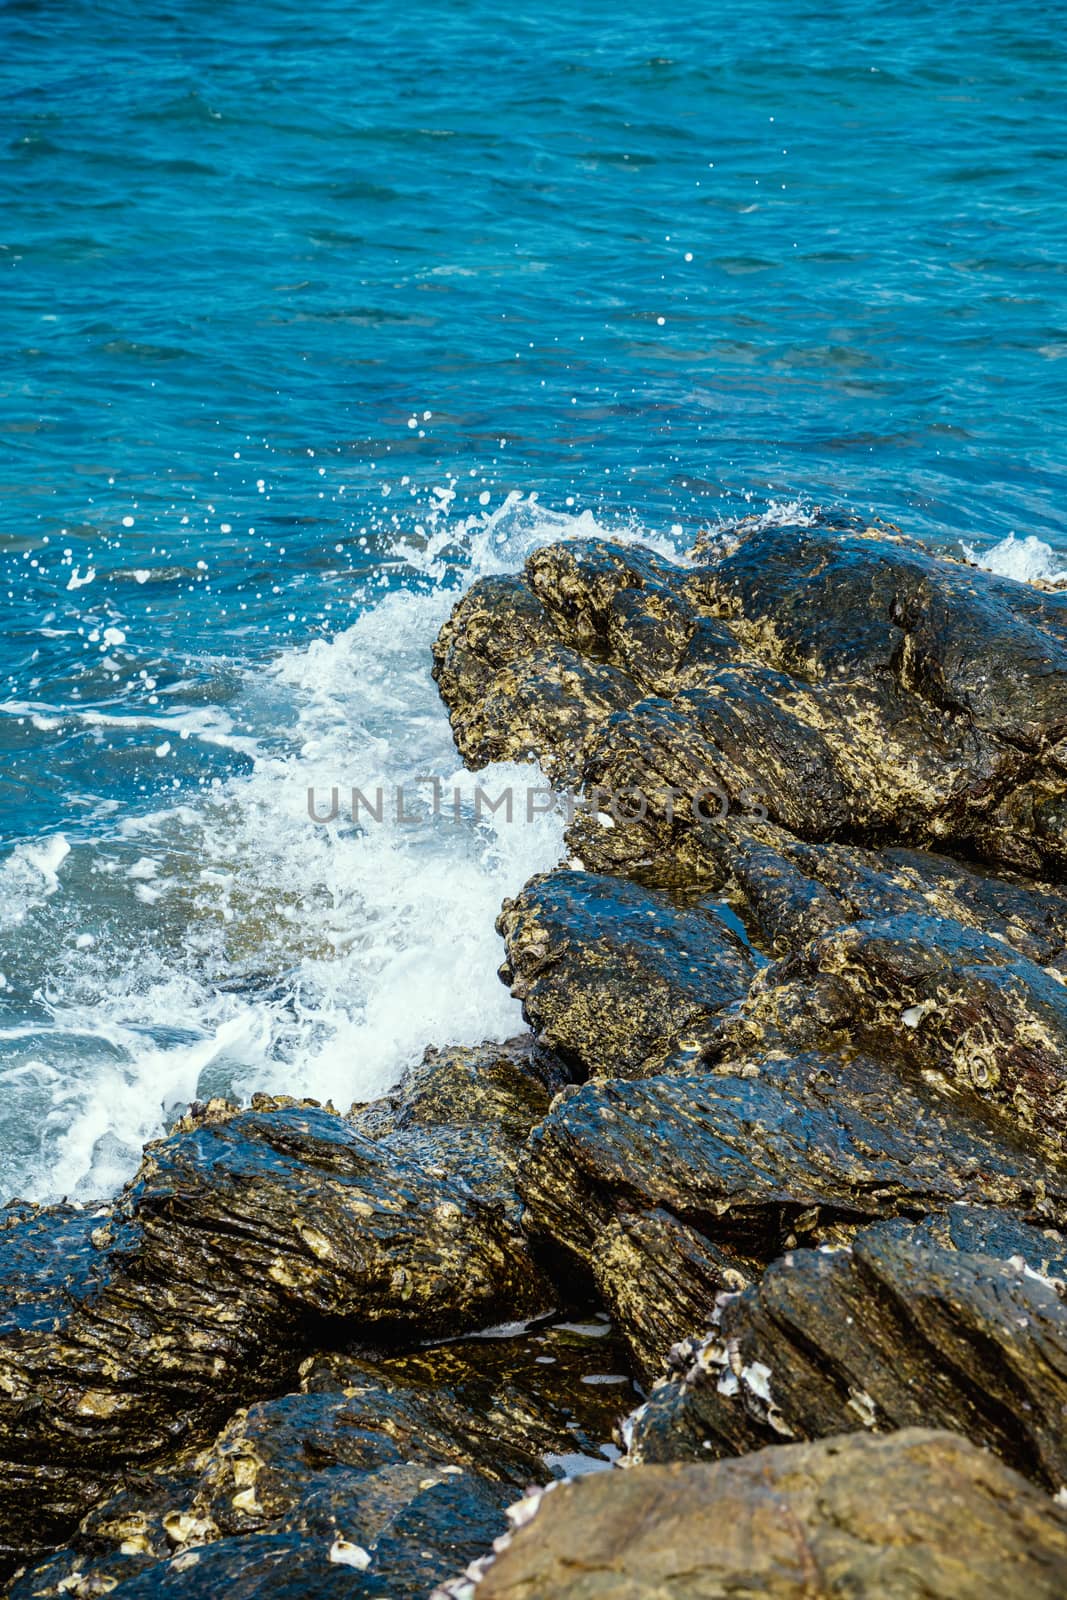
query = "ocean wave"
{"x": 227, "y": 943}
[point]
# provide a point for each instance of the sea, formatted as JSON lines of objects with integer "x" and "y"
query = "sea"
{"x": 310, "y": 315}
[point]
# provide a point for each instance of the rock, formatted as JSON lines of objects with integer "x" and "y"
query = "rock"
{"x": 931, "y": 995}
{"x": 377, "y": 1477}
{"x": 521, "y": 678}
{"x": 505, "y": 1086}
{"x": 611, "y": 974}
{"x": 243, "y": 1236}
{"x": 745, "y": 1165}
{"x": 788, "y": 890}
{"x": 657, "y": 1276}
{"x": 844, "y": 683}
{"x": 906, "y": 1517}
{"x": 898, "y": 1329}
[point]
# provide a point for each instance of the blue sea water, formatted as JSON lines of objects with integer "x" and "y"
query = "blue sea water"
{"x": 308, "y": 313}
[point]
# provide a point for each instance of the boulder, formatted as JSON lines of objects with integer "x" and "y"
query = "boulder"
{"x": 842, "y": 682}
{"x": 669, "y": 1189}
{"x": 906, "y": 1517}
{"x": 243, "y": 1239}
{"x": 375, "y": 1477}
{"x": 611, "y": 975}
{"x": 657, "y": 1276}
{"x": 788, "y": 890}
{"x": 933, "y": 996}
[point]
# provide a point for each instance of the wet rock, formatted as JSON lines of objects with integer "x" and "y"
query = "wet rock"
{"x": 506, "y": 1086}
{"x": 611, "y": 975}
{"x": 896, "y": 1330}
{"x": 377, "y": 1477}
{"x": 844, "y": 683}
{"x": 123, "y": 1535}
{"x": 932, "y": 995}
{"x": 1005, "y": 1234}
{"x": 536, "y": 665}
{"x": 244, "y": 1236}
{"x": 902, "y": 1518}
{"x": 657, "y": 1276}
{"x": 1030, "y": 916}
{"x": 788, "y": 890}
{"x": 784, "y": 1151}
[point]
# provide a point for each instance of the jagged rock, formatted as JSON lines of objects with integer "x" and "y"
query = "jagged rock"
{"x": 402, "y": 1466}
{"x": 657, "y": 1277}
{"x": 932, "y": 995}
{"x": 803, "y": 1149}
{"x": 898, "y": 1329}
{"x": 908, "y": 1517}
{"x": 611, "y": 974}
{"x": 845, "y": 683}
{"x": 244, "y": 1236}
{"x": 788, "y": 890}
{"x": 504, "y": 1086}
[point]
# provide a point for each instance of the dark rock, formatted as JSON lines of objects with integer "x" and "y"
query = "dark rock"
{"x": 908, "y": 1517}
{"x": 932, "y": 995}
{"x": 786, "y": 1151}
{"x": 896, "y": 1330}
{"x": 658, "y": 1276}
{"x": 611, "y": 975}
{"x": 981, "y": 1231}
{"x": 845, "y": 683}
{"x": 788, "y": 890}
{"x": 403, "y": 1466}
{"x": 244, "y": 1236}
{"x": 507, "y": 1086}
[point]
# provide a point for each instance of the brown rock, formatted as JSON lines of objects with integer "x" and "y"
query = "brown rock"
{"x": 909, "y": 1517}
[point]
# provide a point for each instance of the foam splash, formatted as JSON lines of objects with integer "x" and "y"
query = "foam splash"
{"x": 1028, "y": 560}
{"x": 229, "y": 943}
{"x": 29, "y": 876}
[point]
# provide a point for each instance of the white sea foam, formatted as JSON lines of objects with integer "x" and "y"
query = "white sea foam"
{"x": 231, "y": 944}
{"x": 29, "y": 875}
{"x": 1028, "y": 560}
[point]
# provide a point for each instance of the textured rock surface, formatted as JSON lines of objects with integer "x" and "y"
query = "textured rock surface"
{"x": 932, "y": 995}
{"x": 848, "y": 682}
{"x": 657, "y": 1276}
{"x": 404, "y": 1466}
{"x": 900, "y": 1329}
{"x": 795, "y": 1150}
{"x": 244, "y": 1238}
{"x": 788, "y": 890}
{"x": 612, "y": 975}
{"x": 917, "y": 1515}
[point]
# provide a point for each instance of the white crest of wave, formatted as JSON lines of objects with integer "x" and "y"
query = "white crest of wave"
{"x": 250, "y": 948}
{"x": 1028, "y": 560}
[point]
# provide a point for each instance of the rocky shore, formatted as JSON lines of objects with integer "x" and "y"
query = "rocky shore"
{"x": 758, "y": 1239}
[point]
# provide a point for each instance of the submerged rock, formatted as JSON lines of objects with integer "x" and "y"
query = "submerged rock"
{"x": 903, "y": 1518}
{"x": 901, "y": 1328}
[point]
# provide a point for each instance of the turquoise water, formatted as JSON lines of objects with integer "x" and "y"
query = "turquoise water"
{"x": 309, "y": 313}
